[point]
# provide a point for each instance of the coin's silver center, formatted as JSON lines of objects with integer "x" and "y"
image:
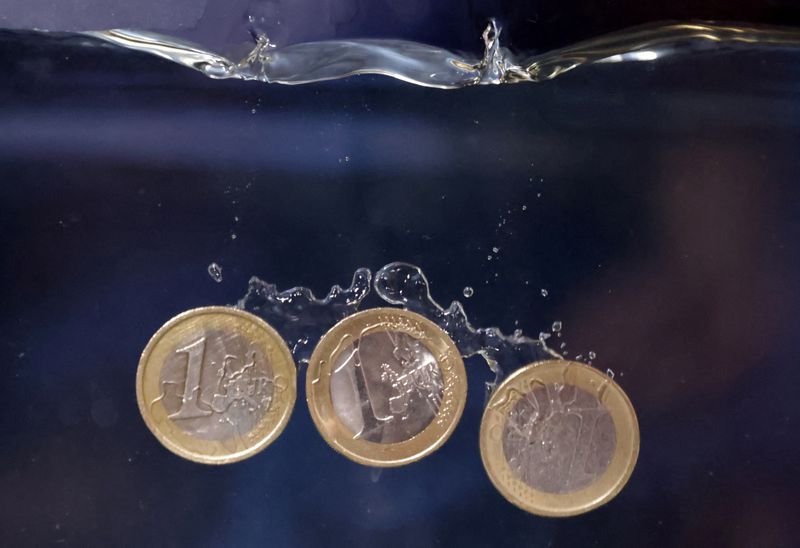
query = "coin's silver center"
{"x": 217, "y": 386}
{"x": 386, "y": 387}
{"x": 559, "y": 438}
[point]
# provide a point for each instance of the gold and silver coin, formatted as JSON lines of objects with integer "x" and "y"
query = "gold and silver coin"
{"x": 216, "y": 385}
{"x": 386, "y": 387}
{"x": 559, "y": 438}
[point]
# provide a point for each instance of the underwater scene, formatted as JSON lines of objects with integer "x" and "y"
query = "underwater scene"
{"x": 628, "y": 201}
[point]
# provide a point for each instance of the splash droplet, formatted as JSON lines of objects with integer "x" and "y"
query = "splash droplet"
{"x": 592, "y": 355}
{"x": 215, "y": 271}
{"x": 610, "y": 373}
{"x": 556, "y": 326}
{"x": 468, "y": 292}
{"x": 300, "y": 317}
{"x": 545, "y": 293}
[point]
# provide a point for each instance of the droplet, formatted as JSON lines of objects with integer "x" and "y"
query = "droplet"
{"x": 215, "y": 271}
{"x": 468, "y": 292}
{"x": 556, "y": 326}
{"x": 610, "y": 373}
{"x": 233, "y": 236}
{"x": 592, "y": 355}
{"x": 545, "y": 293}
{"x": 252, "y": 111}
{"x": 495, "y": 249}
{"x": 524, "y": 207}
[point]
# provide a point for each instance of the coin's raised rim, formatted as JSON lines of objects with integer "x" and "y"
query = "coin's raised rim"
{"x": 336, "y": 433}
{"x": 599, "y": 492}
{"x": 283, "y": 365}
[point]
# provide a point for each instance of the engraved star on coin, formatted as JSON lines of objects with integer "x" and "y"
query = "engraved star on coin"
{"x": 216, "y": 385}
{"x": 559, "y": 438}
{"x": 386, "y": 387}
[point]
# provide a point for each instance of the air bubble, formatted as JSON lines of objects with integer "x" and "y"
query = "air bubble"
{"x": 215, "y": 271}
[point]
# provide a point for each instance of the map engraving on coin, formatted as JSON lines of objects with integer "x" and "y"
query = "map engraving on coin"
{"x": 216, "y": 384}
{"x": 217, "y": 387}
{"x": 386, "y": 387}
{"x": 559, "y": 438}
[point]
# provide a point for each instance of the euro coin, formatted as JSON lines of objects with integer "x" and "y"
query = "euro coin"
{"x": 216, "y": 385}
{"x": 559, "y": 438}
{"x": 386, "y": 387}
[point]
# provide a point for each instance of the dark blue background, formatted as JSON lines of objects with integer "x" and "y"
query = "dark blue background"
{"x": 667, "y": 233}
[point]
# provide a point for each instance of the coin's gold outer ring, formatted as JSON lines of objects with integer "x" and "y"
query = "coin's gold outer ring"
{"x": 586, "y": 378}
{"x": 318, "y": 387}
{"x": 194, "y": 323}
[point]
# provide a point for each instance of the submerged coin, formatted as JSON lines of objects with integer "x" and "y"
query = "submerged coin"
{"x": 386, "y": 387}
{"x": 559, "y": 438}
{"x": 216, "y": 385}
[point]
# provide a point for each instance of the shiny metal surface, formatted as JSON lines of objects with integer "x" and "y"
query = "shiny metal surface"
{"x": 559, "y": 438}
{"x": 386, "y": 387}
{"x": 217, "y": 386}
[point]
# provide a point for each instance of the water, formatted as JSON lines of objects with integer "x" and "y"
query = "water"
{"x": 215, "y": 271}
{"x": 431, "y": 66}
{"x": 303, "y": 318}
{"x": 655, "y": 200}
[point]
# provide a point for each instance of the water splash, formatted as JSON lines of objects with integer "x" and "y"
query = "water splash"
{"x": 406, "y": 285}
{"x": 299, "y": 316}
{"x": 302, "y": 319}
{"x": 430, "y": 66}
